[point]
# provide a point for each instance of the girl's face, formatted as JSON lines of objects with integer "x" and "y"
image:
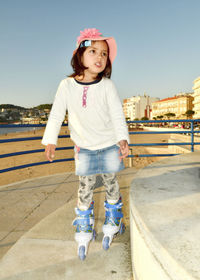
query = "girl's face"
{"x": 95, "y": 58}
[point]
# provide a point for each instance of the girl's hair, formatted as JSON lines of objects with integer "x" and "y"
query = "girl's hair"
{"x": 79, "y": 68}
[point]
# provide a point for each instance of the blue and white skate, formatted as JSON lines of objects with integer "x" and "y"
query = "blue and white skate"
{"x": 113, "y": 223}
{"x": 85, "y": 230}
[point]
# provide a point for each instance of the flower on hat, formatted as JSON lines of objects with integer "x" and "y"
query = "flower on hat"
{"x": 91, "y": 33}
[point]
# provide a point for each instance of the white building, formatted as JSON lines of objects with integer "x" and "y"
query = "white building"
{"x": 196, "y": 101}
{"x": 138, "y": 107}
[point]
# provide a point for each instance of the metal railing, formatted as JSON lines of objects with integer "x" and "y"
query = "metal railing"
{"x": 189, "y": 123}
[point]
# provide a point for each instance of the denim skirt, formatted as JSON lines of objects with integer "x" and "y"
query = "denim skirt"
{"x": 100, "y": 161}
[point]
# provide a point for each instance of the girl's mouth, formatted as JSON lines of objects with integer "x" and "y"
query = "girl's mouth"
{"x": 98, "y": 64}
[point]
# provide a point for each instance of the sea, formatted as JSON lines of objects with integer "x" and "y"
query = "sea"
{"x": 6, "y": 130}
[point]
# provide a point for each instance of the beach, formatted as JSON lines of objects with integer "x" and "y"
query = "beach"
{"x": 54, "y": 168}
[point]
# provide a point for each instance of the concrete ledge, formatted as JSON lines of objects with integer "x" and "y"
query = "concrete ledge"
{"x": 165, "y": 219}
{"x": 182, "y": 138}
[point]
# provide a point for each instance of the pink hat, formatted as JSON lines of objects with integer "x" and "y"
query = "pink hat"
{"x": 93, "y": 34}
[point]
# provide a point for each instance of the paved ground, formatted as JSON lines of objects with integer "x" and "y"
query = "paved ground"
{"x": 37, "y": 239}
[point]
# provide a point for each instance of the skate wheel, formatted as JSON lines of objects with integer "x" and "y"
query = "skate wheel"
{"x": 81, "y": 253}
{"x": 105, "y": 243}
{"x": 122, "y": 228}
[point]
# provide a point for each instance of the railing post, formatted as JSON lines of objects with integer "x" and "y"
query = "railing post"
{"x": 192, "y": 136}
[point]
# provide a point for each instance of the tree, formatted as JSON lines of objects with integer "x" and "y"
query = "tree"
{"x": 10, "y": 106}
{"x": 189, "y": 113}
{"x": 169, "y": 115}
{"x": 144, "y": 119}
{"x": 43, "y": 106}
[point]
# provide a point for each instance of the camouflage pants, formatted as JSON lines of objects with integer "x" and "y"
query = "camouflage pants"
{"x": 86, "y": 187}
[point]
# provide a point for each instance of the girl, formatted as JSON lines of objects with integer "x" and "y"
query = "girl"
{"x": 98, "y": 129}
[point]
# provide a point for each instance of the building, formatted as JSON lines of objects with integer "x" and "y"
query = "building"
{"x": 138, "y": 107}
{"x": 177, "y": 106}
{"x": 196, "y": 101}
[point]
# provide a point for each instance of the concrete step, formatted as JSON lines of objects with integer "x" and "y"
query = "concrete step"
{"x": 165, "y": 219}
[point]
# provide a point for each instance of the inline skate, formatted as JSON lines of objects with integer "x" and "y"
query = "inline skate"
{"x": 113, "y": 222}
{"x": 85, "y": 230}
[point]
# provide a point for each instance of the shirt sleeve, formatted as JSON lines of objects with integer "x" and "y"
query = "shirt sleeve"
{"x": 116, "y": 113}
{"x": 56, "y": 116}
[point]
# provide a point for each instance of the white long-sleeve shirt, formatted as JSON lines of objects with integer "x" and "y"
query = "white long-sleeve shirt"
{"x": 100, "y": 124}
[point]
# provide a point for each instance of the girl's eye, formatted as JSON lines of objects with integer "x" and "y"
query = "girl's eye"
{"x": 92, "y": 51}
{"x": 104, "y": 54}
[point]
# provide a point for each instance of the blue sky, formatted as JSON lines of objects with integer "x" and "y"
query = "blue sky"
{"x": 158, "y": 45}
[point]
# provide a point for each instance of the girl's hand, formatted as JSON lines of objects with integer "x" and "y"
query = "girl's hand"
{"x": 124, "y": 149}
{"x": 50, "y": 152}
